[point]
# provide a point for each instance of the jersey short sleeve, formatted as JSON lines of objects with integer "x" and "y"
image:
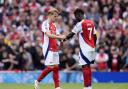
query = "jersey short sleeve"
{"x": 44, "y": 26}
{"x": 77, "y": 28}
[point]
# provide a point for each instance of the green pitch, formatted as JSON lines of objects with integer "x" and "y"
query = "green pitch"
{"x": 64, "y": 86}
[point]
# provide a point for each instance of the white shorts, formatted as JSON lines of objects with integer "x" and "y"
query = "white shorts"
{"x": 87, "y": 57}
{"x": 52, "y": 58}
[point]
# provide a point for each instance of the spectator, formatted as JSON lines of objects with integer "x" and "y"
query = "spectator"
{"x": 9, "y": 61}
{"x": 70, "y": 66}
{"x": 126, "y": 61}
{"x": 94, "y": 14}
{"x": 114, "y": 59}
{"x": 101, "y": 60}
{"x": 20, "y": 22}
{"x": 76, "y": 57}
{"x": 70, "y": 63}
{"x": 28, "y": 63}
{"x": 40, "y": 60}
{"x": 125, "y": 24}
{"x": 63, "y": 61}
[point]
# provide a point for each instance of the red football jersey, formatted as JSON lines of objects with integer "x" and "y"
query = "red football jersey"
{"x": 53, "y": 42}
{"x": 86, "y": 31}
{"x": 49, "y": 43}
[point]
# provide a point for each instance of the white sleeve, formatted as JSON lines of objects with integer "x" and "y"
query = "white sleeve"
{"x": 94, "y": 31}
{"x": 77, "y": 28}
{"x": 44, "y": 27}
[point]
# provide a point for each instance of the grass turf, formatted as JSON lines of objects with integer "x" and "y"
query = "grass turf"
{"x": 65, "y": 86}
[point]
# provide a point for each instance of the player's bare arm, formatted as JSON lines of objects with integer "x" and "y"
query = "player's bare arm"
{"x": 55, "y": 36}
{"x": 70, "y": 35}
{"x": 95, "y": 39}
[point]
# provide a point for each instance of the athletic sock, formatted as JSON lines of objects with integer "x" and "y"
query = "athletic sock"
{"x": 87, "y": 75}
{"x": 44, "y": 73}
{"x": 56, "y": 76}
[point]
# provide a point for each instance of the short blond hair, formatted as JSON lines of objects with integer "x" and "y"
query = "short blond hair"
{"x": 51, "y": 10}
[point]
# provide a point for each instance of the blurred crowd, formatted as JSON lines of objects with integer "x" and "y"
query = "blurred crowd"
{"x": 21, "y": 36}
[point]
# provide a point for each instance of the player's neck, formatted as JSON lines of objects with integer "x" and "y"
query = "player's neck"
{"x": 50, "y": 20}
{"x": 83, "y": 19}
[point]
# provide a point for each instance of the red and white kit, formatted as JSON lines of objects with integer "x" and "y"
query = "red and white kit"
{"x": 85, "y": 31}
{"x": 50, "y": 49}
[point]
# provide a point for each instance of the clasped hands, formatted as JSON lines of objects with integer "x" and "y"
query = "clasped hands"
{"x": 63, "y": 38}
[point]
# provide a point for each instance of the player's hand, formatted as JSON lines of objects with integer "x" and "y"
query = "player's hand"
{"x": 62, "y": 37}
{"x": 65, "y": 39}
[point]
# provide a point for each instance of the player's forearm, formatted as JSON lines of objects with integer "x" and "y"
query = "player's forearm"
{"x": 95, "y": 39}
{"x": 70, "y": 35}
{"x": 52, "y": 35}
